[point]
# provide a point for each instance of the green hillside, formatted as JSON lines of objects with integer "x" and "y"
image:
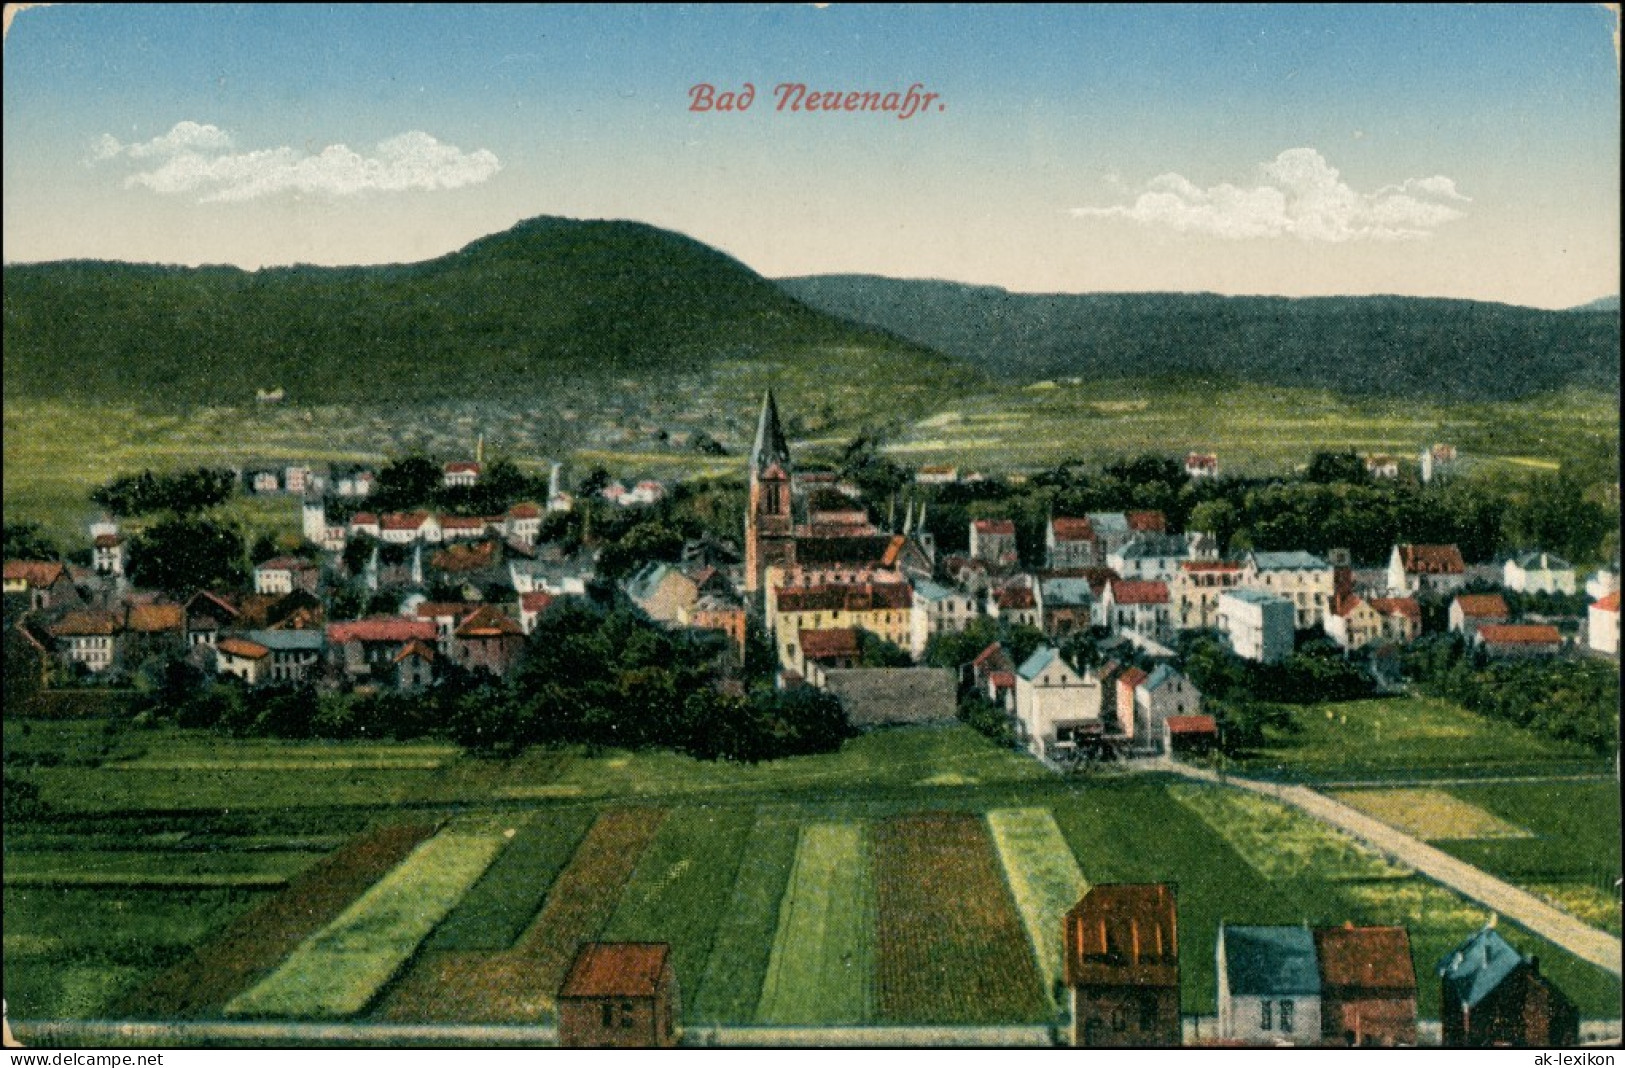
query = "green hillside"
{"x": 504, "y": 317}
{"x": 1439, "y": 349}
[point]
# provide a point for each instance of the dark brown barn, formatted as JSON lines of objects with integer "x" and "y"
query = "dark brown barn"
{"x": 1121, "y": 956}
{"x": 1495, "y": 996}
{"x": 619, "y": 995}
{"x": 1367, "y": 986}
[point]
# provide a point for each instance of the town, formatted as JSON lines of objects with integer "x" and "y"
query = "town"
{"x": 455, "y": 600}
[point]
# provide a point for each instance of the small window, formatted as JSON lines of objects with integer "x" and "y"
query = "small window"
{"x": 1264, "y": 1015}
{"x": 1287, "y": 1012}
{"x": 626, "y": 1014}
{"x": 608, "y": 1014}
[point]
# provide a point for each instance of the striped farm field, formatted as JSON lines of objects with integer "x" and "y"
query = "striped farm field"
{"x": 337, "y": 972}
{"x": 518, "y": 985}
{"x": 253, "y": 944}
{"x": 1432, "y": 815}
{"x": 682, "y": 886}
{"x": 822, "y": 962}
{"x": 949, "y": 947}
{"x": 1044, "y": 880}
{"x": 503, "y": 903}
{"x": 743, "y": 943}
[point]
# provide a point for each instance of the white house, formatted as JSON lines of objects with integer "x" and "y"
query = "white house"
{"x": 1602, "y": 625}
{"x": 993, "y": 541}
{"x": 1258, "y": 625}
{"x": 938, "y": 610}
{"x": 284, "y": 574}
{"x": 1307, "y": 581}
{"x": 1164, "y": 693}
{"x": 1144, "y": 608}
{"x": 1269, "y": 985}
{"x": 1538, "y": 573}
{"x": 1150, "y": 557}
{"x": 1055, "y": 703}
{"x": 1602, "y": 582}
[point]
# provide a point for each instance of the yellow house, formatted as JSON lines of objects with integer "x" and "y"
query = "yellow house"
{"x": 1196, "y": 589}
{"x": 882, "y": 609}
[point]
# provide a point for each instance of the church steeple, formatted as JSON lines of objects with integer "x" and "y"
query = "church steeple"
{"x": 770, "y": 445}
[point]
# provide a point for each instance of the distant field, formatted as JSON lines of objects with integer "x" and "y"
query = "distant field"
{"x": 1398, "y": 738}
{"x": 893, "y": 881}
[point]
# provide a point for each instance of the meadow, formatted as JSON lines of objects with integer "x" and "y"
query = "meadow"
{"x": 792, "y": 891}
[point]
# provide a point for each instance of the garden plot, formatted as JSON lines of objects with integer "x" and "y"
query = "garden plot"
{"x": 821, "y": 967}
{"x": 1278, "y": 841}
{"x": 1044, "y": 879}
{"x": 158, "y": 870}
{"x": 341, "y": 968}
{"x": 949, "y": 948}
{"x": 1432, "y": 815}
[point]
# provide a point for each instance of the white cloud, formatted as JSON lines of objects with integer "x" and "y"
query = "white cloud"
{"x": 196, "y": 158}
{"x": 1298, "y": 194}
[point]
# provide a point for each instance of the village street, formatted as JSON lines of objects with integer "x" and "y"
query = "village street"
{"x": 1583, "y": 941}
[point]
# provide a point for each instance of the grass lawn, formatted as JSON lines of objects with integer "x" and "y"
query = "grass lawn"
{"x": 1398, "y": 738}
{"x": 1044, "y": 880}
{"x": 821, "y": 970}
{"x": 743, "y": 943}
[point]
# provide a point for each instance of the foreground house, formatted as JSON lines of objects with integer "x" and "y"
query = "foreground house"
{"x": 89, "y": 638}
{"x": 1470, "y": 611}
{"x": 1257, "y": 625}
{"x": 1492, "y": 995}
{"x": 489, "y": 640}
{"x": 1057, "y": 706}
{"x": 1143, "y": 608}
{"x": 1163, "y": 695}
{"x": 42, "y": 584}
{"x": 365, "y": 650}
{"x": 1121, "y": 966}
{"x": 1269, "y": 985}
{"x": 1367, "y": 986}
{"x": 619, "y": 995}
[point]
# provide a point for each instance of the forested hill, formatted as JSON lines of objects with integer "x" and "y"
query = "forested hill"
{"x": 505, "y": 316}
{"x": 1448, "y": 349}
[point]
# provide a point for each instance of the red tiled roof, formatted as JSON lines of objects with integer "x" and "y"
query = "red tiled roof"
{"x": 865, "y": 598}
{"x": 1609, "y": 603}
{"x": 1139, "y": 592}
{"x": 215, "y": 599}
{"x": 155, "y": 618}
{"x": 993, "y": 654}
{"x": 1002, "y": 680}
{"x": 994, "y": 526}
{"x": 363, "y": 519}
{"x": 417, "y": 649}
{"x": 1132, "y": 678}
{"x": 443, "y": 609}
{"x": 85, "y": 624}
{"x": 36, "y": 573}
{"x": 1113, "y": 935}
{"x": 404, "y": 520}
{"x": 1192, "y": 725}
{"x": 1431, "y": 560}
{"x": 1483, "y": 606}
{"x": 286, "y": 563}
{"x": 1016, "y": 597}
{"x": 381, "y": 629}
{"x": 462, "y": 467}
{"x": 242, "y": 647}
{"x": 829, "y": 644}
{"x": 108, "y": 541}
{"x": 461, "y": 522}
{"x": 525, "y": 510}
{"x": 616, "y": 970}
{"x": 488, "y": 622}
{"x": 1210, "y": 565}
{"x": 1147, "y": 522}
{"x": 1398, "y": 606}
{"x": 1519, "y": 634}
{"x": 1201, "y": 459}
{"x": 536, "y": 601}
{"x": 465, "y": 557}
{"x": 1068, "y": 529}
{"x": 1372, "y": 957}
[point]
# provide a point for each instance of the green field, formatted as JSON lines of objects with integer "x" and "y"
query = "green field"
{"x": 762, "y": 877}
{"x": 1398, "y": 738}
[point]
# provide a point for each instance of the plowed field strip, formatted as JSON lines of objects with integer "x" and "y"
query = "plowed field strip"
{"x": 732, "y": 984}
{"x": 822, "y": 963}
{"x": 1044, "y": 878}
{"x": 253, "y": 944}
{"x": 518, "y": 985}
{"x": 950, "y": 949}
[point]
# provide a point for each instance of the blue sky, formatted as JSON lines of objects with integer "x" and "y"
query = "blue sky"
{"x": 1460, "y": 151}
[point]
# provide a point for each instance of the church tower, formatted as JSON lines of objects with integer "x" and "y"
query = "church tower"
{"x": 769, "y": 533}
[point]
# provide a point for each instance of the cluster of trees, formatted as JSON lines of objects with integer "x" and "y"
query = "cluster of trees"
{"x": 28, "y": 541}
{"x": 1569, "y": 700}
{"x": 590, "y": 675}
{"x": 1247, "y": 698}
{"x": 181, "y": 553}
{"x": 417, "y": 480}
{"x": 184, "y": 493}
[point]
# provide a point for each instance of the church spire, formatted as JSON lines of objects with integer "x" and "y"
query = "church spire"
{"x": 770, "y": 444}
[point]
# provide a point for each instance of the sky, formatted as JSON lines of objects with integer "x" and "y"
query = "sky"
{"x": 1462, "y": 151}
